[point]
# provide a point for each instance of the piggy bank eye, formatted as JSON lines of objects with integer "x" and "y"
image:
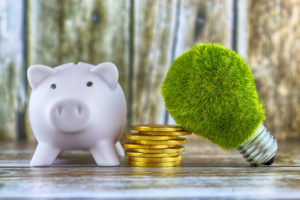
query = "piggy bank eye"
{"x": 89, "y": 84}
{"x": 53, "y": 86}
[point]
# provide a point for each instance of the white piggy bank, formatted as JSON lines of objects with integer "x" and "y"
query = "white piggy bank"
{"x": 76, "y": 106}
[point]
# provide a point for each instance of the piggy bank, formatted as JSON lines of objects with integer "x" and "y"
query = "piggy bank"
{"x": 76, "y": 106}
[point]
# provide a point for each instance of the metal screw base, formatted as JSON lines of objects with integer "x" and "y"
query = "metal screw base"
{"x": 260, "y": 149}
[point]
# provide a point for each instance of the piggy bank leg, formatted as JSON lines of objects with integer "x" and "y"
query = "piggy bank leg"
{"x": 104, "y": 153}
{"x": 44, "y": 155}
{"x": 120, "y": 149}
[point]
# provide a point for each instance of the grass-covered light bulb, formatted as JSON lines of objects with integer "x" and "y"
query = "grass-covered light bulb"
{"x": 210, "y": 91}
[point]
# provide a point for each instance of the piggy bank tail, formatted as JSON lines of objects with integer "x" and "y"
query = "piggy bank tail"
{"x": 119, "y": 149}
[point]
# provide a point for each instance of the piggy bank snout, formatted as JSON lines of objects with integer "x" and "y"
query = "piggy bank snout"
{"x": 69, "y": 115}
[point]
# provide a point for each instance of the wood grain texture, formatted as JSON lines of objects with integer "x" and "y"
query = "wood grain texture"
{"x": 153, "y": 35}
{"x": 273, "y": 48}
{"x": 202, "y": 21}
{"x": 242, "y": 28}
{"x": 11, "y": 64}
{"x": 206, "y": 173}
{"x": 73, "y": 31}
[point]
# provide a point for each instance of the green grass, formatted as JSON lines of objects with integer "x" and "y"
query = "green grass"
{"x": 210, "y": 91}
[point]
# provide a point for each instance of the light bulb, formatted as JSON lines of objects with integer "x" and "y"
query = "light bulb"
{"x": 210, "y": 91}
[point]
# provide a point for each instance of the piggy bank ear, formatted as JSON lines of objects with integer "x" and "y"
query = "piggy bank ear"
{"x": 108, "y": 72}
{"x": 37, "y": 74}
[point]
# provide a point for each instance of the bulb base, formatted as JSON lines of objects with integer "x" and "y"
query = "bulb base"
{"x": 260, "y": 149}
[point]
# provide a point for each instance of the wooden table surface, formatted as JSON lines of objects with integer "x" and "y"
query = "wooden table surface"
{"x": 206, "y": 172}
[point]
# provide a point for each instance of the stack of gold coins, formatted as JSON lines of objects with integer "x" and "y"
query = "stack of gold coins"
{"x": 155, "y": 145}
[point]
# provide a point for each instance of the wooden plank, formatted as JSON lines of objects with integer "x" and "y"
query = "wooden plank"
{"x": 11, "y": 63}
{"x": 140, "y": 183}
{"x": 203, "y": 21}
{"x": 242, "y": 31}
{"x": 76, "y": 31}
{"x": 153, "y": 33}
{"x": 44, "y": 32}
{"x": 89, "y": 31}
{"x": 273, "y": 46}
{"x": 93, "y": 33}
{"x": 206, "y": 172}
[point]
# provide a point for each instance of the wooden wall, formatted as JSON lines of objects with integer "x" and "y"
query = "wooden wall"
{"x": 12, "y": 87}
{"x": 273, "y": 54}
{"x": 142, "y": 37}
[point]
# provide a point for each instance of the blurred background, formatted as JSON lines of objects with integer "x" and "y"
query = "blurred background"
{"x": 143, "y": 37}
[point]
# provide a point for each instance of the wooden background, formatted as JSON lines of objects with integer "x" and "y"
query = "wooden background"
{"x": 142, "y": 37}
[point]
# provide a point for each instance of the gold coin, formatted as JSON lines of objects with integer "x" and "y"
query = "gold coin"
{"x": 153, "y": 164}
{"x": 176, "y": 149}
{"x": 134, "y": 136}
{"x": 150, "y": 155}
{"x": 167, "y": 142}
{"x": 156, "y": 127}
{"x": 164, "y": 159}
{"x": 165, "y": 133}
{"x": 142, "y": 146}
